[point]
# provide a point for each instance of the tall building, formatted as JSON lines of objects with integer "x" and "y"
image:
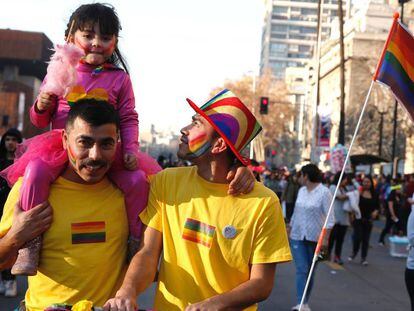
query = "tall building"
{"x": 290, "y": 32}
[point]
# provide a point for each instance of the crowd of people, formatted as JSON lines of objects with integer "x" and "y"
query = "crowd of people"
{"x": 359, "y": 201}
{"x": 85, "y": 214}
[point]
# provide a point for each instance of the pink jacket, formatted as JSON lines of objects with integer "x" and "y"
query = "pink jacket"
{"x": 111, "y": 84}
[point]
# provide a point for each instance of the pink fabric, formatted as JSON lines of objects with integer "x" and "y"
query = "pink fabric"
{"x": 117, "y": 84}
{"x": 44, "y": 148}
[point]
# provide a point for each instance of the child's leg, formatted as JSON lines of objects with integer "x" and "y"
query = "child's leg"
{"x": 36, "y": 183}
{"x": 34, "y": 190}
{"x": 135, "y": 187}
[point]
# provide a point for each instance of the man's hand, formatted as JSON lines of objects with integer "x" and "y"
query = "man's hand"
{"x": 241, "y": 180}
{"x": 125, "y": 300}
{"x": 45, "y": 101}
{"x": 30, "y": 224}
{"x": 206, "y": 305}
{"x": 130, "y": 162}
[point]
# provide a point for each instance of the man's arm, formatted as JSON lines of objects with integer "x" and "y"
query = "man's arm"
{"x": 140, "y": 274}
{"x": 25, "y": 226}
{"x": 256, "y": 289}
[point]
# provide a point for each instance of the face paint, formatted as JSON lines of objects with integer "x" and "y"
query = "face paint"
{"x": 72, "y": 158}
{"x": 198, "y": 145}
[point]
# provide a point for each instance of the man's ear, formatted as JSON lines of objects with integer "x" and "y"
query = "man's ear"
{"x": 65, "y": 139}
{"x": 219, "y": 146}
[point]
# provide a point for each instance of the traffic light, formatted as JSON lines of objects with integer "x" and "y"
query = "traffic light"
{"x": 264, "y": 105}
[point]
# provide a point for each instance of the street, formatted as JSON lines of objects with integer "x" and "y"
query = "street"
{"x": 379, "y": 286}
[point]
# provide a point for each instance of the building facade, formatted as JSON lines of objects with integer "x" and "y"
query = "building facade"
{"x": 23, "y": 57}
{"x": 290, "y": 32}
{"x": 365, "y": 35}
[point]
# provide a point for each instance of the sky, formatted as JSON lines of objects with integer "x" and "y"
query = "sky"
{"x": 174, "y": 48}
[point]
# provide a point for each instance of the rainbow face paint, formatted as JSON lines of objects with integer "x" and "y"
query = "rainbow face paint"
{"x": 198, "y": 145}
{"x": 71, "y": 157}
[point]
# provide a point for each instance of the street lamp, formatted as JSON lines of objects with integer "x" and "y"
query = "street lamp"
{"x": 253, "y": 74}
{"x": 381, "y": 108}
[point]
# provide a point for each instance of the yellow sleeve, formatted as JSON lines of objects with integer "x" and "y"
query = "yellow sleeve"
{"x": 270, "y": 243}
{"x": 8, "y": 211}
{"x": 152, "y": 214}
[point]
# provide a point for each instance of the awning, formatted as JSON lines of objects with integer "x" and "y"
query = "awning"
{"x": 361, "y": 159}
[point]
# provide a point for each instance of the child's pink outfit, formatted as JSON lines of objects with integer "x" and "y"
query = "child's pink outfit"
{"x": 42, "y": 158}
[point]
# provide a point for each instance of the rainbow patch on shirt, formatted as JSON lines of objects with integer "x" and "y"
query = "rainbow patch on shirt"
{"x": 198, "y": 232}
{"x": 88, "y": 232}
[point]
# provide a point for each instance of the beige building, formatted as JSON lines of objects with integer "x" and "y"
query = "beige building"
{"x": 365, "y": 35}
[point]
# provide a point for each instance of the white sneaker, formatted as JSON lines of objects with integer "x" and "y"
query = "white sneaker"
{"x": 305, "y": 307}
{"x": 11, "y": 288}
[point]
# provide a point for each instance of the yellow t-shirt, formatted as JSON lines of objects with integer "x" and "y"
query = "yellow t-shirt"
{"x": 84, "y": 251}
{"x": 210, "y": 239}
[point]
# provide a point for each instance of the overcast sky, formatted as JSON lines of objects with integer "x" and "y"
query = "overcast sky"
{"x": 175, "y": 48}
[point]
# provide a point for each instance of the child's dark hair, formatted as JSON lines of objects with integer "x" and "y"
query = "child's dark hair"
{"x": 105, "y": 16}
{"x": 94, "y": 112}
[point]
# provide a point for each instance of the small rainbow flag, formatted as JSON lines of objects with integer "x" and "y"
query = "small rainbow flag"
{"x": 88, "y": 232}
{"x": 396, "y": 66}
{"x": 198, "y": 232}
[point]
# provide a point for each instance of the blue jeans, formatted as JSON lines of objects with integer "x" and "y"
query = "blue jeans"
{"x": 302, "y": 251}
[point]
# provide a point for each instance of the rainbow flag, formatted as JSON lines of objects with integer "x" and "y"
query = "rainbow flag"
{"x": 88, "y": 232}
{"x": 198, "y": 232}
{"x": 396, "y": 66}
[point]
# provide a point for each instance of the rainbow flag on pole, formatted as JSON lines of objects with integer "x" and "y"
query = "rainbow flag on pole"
{"x": 395, "y": 68}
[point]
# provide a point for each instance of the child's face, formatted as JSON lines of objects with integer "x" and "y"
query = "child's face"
{"x": 98, "y": 47}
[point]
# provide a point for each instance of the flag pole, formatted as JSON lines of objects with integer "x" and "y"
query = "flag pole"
{"x": 324, "y": 229}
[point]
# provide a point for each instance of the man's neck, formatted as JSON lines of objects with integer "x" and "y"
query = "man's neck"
{"x": 71, "y": 175}
{"x": 213, "y": 171}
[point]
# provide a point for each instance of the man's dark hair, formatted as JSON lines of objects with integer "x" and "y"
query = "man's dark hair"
{"x": 94, "y": 112}
{"x": 313, "y": 172}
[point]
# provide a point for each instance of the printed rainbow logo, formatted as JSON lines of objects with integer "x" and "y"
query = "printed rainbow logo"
{"x": 88, "y": 232}
{"x": 198, "y": 232}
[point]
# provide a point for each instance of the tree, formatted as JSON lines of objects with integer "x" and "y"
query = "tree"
{"x": 276, "y": 124}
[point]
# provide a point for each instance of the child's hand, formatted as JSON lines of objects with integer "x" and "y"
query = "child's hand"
{"x": 241, "y": 180}
{"x": 45, "y": 101}
{"x": 130, "y": 162}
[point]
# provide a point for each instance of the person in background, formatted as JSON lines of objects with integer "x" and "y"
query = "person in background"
{"x": 341, "y": 218}
{"x": 8, "y": 145}
{"x": 311, "y": 210}
{"x": 380, "y": 191}
{"x": 290, "y": 194}
{"x": 408, "y": 190}
{"x": 271, "y": 181}
{"x": 395, "y": 202}
{"x": 369, "y": 207}
{"x": 409, "y": 271}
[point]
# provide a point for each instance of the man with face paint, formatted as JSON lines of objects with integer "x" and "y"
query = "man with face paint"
{"x": 218, "y": 252}
{"x": 85, "y": 246}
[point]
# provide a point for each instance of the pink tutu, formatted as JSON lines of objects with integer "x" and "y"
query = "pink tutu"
{"x": 47, "y": 147}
